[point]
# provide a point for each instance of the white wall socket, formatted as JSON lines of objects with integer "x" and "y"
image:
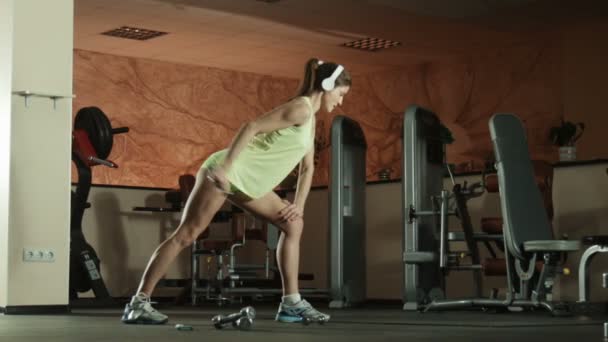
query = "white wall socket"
{"x": 38, "y": 255}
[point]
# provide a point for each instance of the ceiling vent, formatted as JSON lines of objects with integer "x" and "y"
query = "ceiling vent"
{"x": 372, "y": 44}
{"x": 133, "y": 33}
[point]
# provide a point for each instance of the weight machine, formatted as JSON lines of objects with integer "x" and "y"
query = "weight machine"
{"x": 92, "y": 140}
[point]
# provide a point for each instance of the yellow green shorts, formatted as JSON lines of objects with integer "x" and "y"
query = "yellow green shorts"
{"x": 214, "y": 160}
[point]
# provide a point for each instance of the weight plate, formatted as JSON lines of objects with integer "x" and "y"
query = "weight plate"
{"x": 105, "y": 132}
{"x": 93, "y": 121}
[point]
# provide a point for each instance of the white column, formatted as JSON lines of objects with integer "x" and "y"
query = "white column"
{"x": 40, "y": 152}
{"x": 6, "y": 57}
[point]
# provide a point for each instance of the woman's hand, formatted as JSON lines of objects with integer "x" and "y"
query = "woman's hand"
{"x": 290, "y": 212}
{"x": 218, "y": 176}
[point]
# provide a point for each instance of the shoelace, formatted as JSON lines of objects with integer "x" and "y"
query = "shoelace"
{"x": 311, "y": 310}
{"x": 147, "y": 303}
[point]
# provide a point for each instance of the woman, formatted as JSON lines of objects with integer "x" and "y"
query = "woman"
{"x": 262, "y": 154}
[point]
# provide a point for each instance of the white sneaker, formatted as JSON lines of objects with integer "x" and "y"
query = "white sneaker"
{"x": 140, "y": 311}
{"x": 299, "y": 312}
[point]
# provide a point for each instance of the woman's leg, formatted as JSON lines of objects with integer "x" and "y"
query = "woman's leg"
{"x": 288, "y": 248}
{"x": 202, "y": 204}
{"x": 292, "y": 308}
{"x": 204, "y": 201}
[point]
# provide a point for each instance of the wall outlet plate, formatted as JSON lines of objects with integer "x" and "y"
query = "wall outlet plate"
{"x": 38, "y": 255}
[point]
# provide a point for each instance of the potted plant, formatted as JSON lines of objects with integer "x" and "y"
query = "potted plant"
{"x": 564, "y": 136}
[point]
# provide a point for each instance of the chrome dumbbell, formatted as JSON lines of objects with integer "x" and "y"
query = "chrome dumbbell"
{"x": 242, "y": 320}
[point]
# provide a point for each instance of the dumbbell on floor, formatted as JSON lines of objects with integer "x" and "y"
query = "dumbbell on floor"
{"x": 242, "y": 320}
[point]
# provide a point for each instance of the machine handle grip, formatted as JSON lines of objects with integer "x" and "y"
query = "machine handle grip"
{"x": 102, "y": 162}
{"x": 120, "y": 130}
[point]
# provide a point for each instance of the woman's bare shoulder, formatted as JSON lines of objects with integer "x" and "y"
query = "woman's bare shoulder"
{"x": 300, "y": 107}
{"x": 293, "y": 112}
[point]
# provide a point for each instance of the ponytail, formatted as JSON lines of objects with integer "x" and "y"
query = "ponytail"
{"x": 308, "y": 82}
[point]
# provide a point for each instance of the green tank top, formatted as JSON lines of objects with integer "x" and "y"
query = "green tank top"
{"x": 268, "y": 158}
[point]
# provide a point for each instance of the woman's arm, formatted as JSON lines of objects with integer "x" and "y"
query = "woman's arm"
{"x": 307, "y": 168}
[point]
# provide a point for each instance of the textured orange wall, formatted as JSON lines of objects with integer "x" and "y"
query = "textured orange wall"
{"x": 179, "y": 114}
{"x": 585, "y": 73}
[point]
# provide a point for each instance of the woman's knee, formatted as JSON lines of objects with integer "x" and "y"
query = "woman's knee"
{"x": 293, "y": 228}
{"x": 185, "y": 236}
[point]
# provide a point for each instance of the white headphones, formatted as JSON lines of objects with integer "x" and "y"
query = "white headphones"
{"x": 330, "y": 82}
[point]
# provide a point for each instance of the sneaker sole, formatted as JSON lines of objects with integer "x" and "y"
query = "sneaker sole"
{"x": 144, "y": 322}
{"x": 289, "y": 319}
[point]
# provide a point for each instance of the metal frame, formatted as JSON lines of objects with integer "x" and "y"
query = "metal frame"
{"x": 347, "y": 213}
{"x": 533, "y": 292}
{"x": 583, "y": 270}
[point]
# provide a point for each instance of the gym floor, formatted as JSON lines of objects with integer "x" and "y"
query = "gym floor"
{"x": 385, "y": 323}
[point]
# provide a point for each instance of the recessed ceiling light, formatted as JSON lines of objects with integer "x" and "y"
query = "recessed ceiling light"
{"x": 133, "y": 33}
{"x": 372, "y": 44}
